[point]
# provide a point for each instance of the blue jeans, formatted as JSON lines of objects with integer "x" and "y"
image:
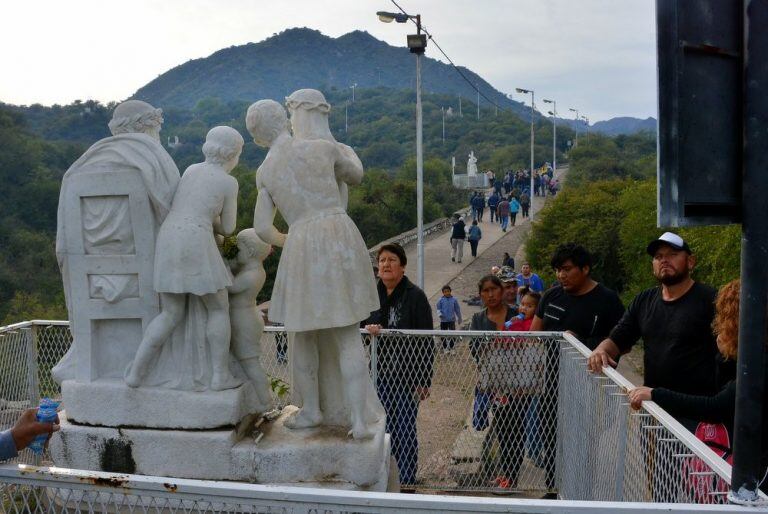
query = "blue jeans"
{"x": 504, "y": 222}
{"x": 401, "y": 408}
{"x": 533, "y": 432}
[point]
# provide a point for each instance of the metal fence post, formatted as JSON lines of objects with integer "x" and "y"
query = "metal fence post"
{"x": 33, "y": 386}
{"x": 374, "y": 360}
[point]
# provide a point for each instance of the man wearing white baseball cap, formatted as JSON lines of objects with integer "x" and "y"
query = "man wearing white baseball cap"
{"x": 674, "y": 320}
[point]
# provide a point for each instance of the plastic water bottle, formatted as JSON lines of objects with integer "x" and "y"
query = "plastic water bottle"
{"x": 46, "y": 413}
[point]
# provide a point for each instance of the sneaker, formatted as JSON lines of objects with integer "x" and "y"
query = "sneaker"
{"x": 453, "y": 259}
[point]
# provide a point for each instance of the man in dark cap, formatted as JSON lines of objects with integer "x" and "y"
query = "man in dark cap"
{"x": 674, "y": 320}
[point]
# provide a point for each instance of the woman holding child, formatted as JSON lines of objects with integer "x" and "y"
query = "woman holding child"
{"x": 508, "y": 371}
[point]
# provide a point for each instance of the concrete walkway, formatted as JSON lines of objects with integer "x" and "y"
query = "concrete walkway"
{"x": 438, "y": 268}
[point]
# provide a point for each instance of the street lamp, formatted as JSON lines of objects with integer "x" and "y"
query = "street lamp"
{"x": 553, "y": 113}
{"x": 417, "y": 44}
{"x": 576, "y": 125}
{"x": 586, "y": 125}
{"x": 525, "y": 92}
{"x": 352, "y": 87}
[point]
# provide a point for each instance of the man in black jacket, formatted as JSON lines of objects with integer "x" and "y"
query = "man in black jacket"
{"x": 403, "y": 364}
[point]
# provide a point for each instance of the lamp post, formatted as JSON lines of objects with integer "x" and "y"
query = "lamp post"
{"x": 586, "y": 125}
{"x": 576, "y": 126}
{"x": 417, "y": 44}
{"x": 442, "y": 109}
{"x": 553, "y": 112}
{"x": 525, "y": 92}
{"x": 352, "y": 87}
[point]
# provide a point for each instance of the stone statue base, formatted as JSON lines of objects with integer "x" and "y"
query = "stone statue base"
{"x": 111, "y": 403}
{"x": 272, "y": 454}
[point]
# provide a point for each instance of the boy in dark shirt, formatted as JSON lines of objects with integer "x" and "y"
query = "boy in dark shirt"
{"x": 579, "y": 305}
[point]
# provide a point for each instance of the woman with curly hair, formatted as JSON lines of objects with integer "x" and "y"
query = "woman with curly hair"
{"x": 721, "y": 407}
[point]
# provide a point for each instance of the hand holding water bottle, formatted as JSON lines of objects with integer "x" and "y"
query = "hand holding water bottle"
{"x": 35, "y": 426}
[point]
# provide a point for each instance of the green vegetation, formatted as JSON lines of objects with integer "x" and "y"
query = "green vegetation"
{"x": 608, "y": 204}
{"x": 38, "y": 144}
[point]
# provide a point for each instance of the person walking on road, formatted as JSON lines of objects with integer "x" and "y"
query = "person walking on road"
{"x": 514, "y": 208}
{"x": 525, "y": 203}
{"x": 479, "y": 205}
{"x": 493, "y": 202}
{"x": 474, "y": 236}
{"x": 503, "y": 211}
{"x": 458, "y": 235}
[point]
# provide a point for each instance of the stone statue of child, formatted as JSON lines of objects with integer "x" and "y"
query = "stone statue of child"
{"x": 247, "y": 323}
{"x": 187, "y": 260}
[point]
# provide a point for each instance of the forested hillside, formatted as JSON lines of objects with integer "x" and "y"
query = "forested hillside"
{"x": 299, "y": 58}
{"x": 609, "y": 205}
{"x": 37, "y": 145}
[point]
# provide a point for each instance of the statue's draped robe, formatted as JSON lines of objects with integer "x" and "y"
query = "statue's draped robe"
{"x": 107, "y": 230}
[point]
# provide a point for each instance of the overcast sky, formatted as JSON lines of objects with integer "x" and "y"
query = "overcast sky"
{"x": 594, "y": 55}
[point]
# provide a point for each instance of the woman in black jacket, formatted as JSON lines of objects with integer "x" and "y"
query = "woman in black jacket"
{"x": 404, "y": 364}
{"x": 721, "y": 407}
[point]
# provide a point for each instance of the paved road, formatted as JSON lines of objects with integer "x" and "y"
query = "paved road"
{"x": 438, "y": 268}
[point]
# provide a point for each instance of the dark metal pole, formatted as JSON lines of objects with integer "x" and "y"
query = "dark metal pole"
{"x": 753, "y": 320}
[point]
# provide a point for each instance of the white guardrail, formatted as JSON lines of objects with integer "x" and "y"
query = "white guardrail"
{"x": 550, "y": 426}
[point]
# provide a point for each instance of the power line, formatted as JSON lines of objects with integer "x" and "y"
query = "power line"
{"x": 456, "y": 68}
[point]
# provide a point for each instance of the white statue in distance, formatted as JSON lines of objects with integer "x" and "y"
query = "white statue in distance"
{"x": 187, "y": 260}
{"x": 324, "y": 285}
{"x": 472, "y": 164}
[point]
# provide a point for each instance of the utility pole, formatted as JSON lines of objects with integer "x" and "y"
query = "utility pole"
{"x": 460, "y": 114}
{"x": 353, "y": 86}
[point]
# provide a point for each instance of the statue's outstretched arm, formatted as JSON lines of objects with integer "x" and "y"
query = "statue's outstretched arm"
{"x": 263, "y": 216}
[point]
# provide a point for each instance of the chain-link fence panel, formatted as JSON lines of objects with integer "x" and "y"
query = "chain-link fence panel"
{"x": 468, "y": 411}
{"x": 17, "y": 381}
{"x": 611, "y": 452}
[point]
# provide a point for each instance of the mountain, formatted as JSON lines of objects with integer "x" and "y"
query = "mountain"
{"x": 305, "y": 58}
{"x": 625, "y": 125}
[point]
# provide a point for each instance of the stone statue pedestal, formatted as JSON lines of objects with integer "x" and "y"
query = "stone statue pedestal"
{"x": 272, "y": 454}
{"x": 86, "y": 403}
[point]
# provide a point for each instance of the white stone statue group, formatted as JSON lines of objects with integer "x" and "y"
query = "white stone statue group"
{"x": 195, "y": 326}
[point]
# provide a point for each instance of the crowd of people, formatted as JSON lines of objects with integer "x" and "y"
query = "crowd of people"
{"x": 544, "y": 181}
{"x": 684, "y": 371}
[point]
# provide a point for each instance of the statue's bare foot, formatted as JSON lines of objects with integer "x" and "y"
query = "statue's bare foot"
{"x": 132, "y": 376}
{"x": 304, "y": 419}
{"x": 361, "y": 431}
{"x": 222, "y": 381}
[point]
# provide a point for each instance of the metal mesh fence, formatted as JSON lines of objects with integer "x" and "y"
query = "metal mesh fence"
{"x": 609, "y": 452}
{"x": 505, "y": 413}
{"x": 484, "y": 425}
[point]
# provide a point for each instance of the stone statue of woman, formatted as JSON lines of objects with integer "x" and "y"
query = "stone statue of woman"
{"x": 324, "y": 285}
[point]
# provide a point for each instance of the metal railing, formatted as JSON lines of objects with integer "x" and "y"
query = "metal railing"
{"x": 517, "y": 406}
{"x": 26, "y": 489}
